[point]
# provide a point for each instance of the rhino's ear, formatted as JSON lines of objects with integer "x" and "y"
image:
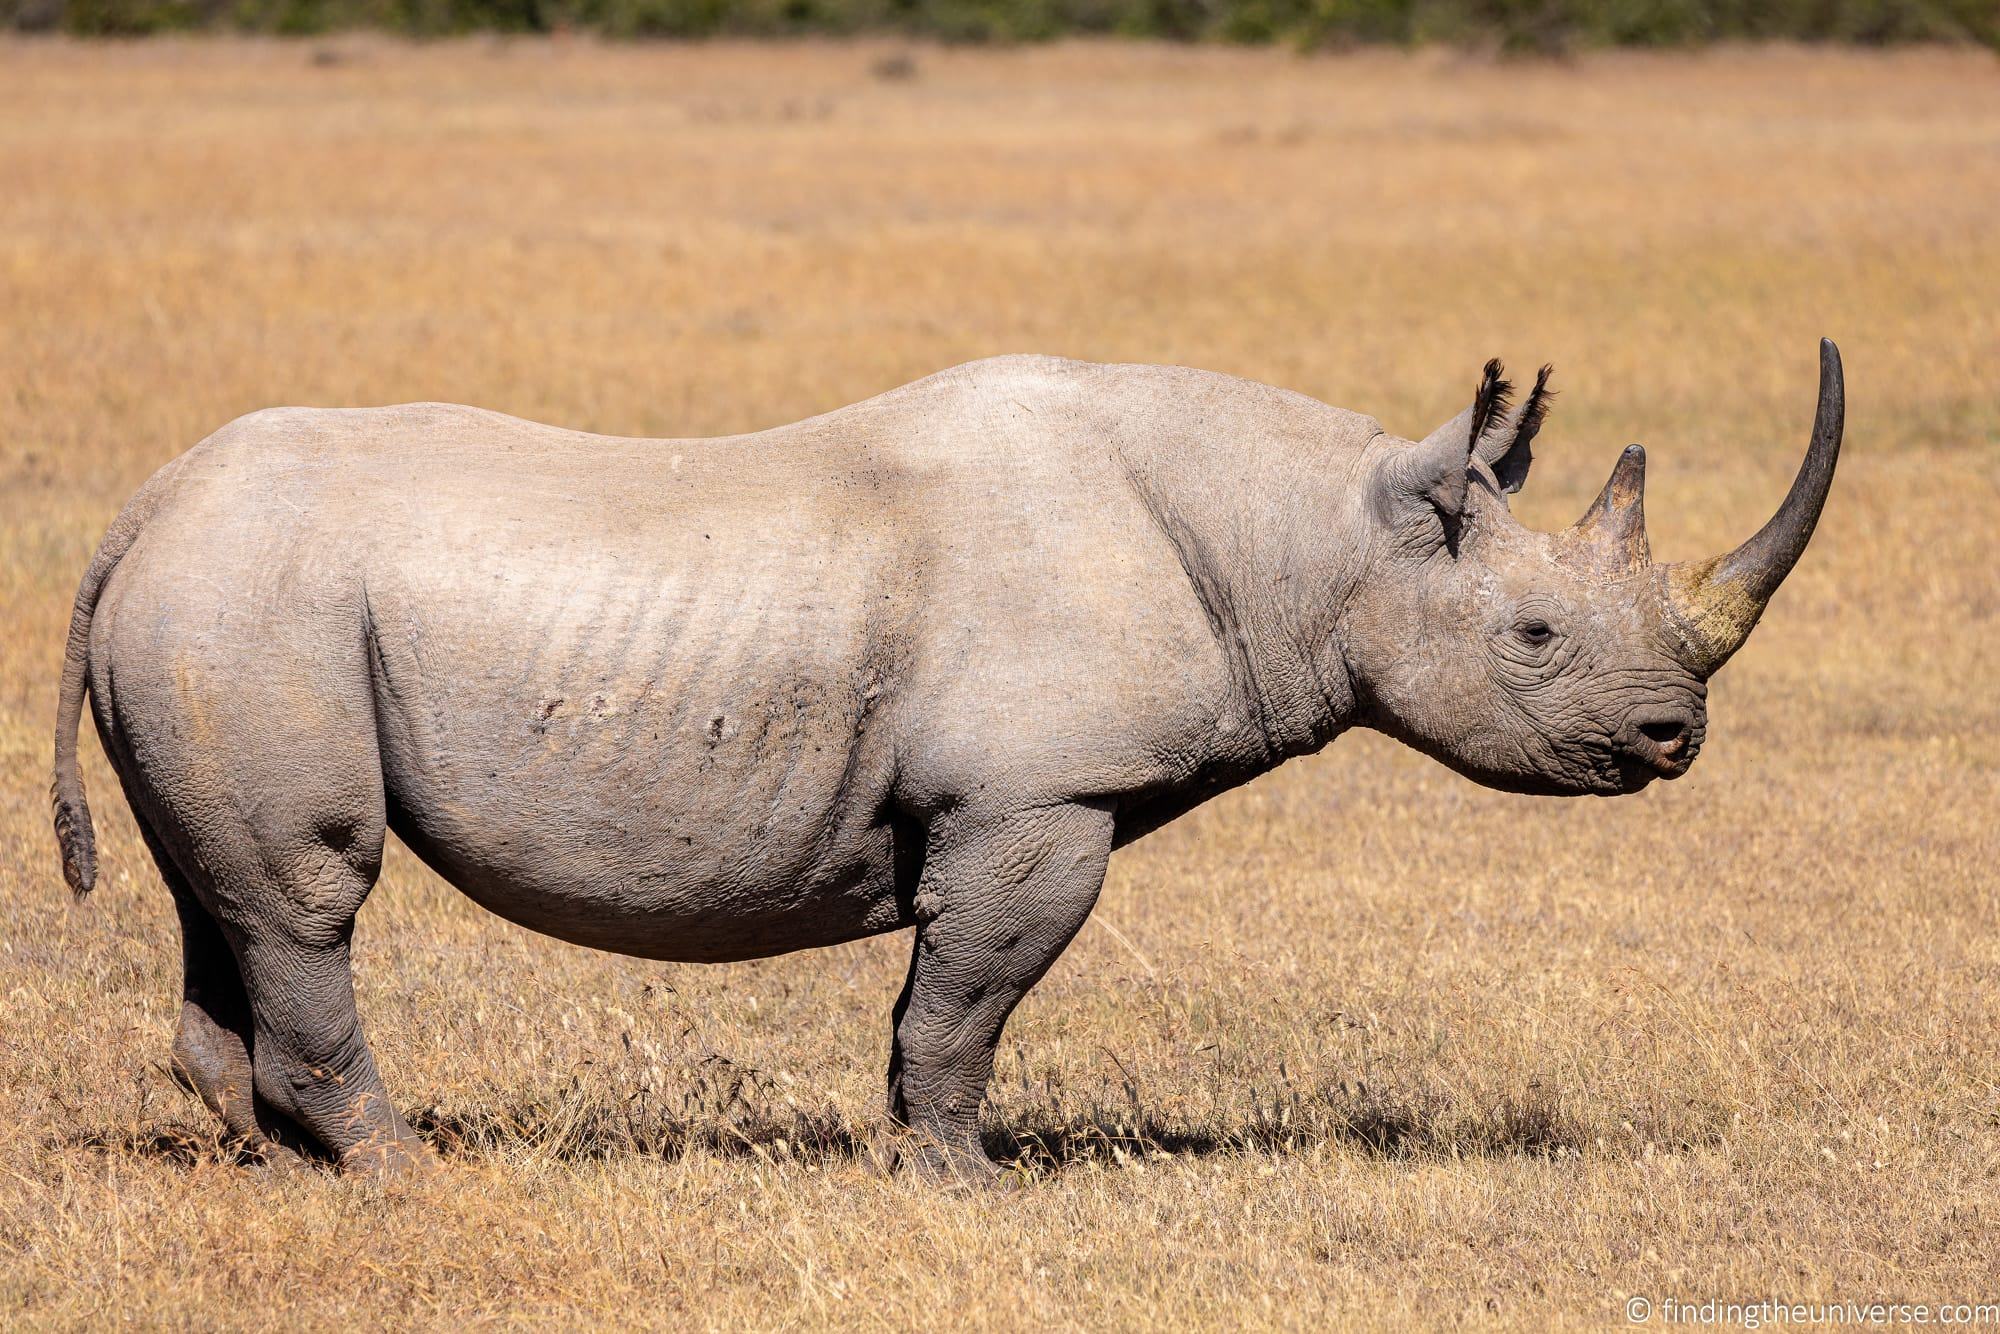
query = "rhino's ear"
{"x": 1422, "y": 489}
{"x": 1505, "y": 444}
{"x": 1498, "y": 434}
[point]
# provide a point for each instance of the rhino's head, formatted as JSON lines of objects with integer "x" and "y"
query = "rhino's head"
{"x": 1552, "y": 663}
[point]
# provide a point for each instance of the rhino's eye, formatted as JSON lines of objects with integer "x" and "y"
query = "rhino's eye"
{"x": 1535, "y": 632}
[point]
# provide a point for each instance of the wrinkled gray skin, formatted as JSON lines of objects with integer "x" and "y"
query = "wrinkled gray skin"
{"x": 924, "y": 661}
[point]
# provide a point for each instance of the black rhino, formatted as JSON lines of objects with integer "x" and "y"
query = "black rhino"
{"x": 923, "y": 661}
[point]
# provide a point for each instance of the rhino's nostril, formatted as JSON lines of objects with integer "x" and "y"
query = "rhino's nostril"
{"x": 1669, "y": 734}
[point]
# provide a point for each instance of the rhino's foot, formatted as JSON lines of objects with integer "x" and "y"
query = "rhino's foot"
{"x": 963, "y": 1167}
{"x": 324, "y": 1080}
{"x": 274, "y": 1160}
{"x": 402, "y": 1159}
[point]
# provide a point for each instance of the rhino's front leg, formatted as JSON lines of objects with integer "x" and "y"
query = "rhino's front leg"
{"x": 1000, "y": 897}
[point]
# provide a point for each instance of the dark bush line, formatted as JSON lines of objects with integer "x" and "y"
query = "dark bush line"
{"x": 1517, "y": 25}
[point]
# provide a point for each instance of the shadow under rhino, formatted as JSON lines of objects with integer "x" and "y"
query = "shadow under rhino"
{"x": 1038, "y": 1135}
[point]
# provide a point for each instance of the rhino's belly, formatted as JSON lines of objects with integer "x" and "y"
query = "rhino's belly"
{"x": 670, "y": 899}
{"x": 761, "y": 832}
{"x": 682, "y": 764}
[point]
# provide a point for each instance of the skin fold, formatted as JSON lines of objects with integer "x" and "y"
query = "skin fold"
{"x": 920, "y": 662}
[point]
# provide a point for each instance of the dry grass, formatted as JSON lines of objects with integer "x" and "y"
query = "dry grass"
{"x": 1361, "y": 1040}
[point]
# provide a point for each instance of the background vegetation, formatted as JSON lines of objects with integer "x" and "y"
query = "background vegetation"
{"x": 1520, "y": 25}
{"x": 1359, "y": 1046}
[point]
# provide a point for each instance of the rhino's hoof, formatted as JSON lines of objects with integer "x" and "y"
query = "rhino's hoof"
{"x": 953, "y": 1169}
{"x": 268, "y": 1158}
{"x": 402, "y": 1159}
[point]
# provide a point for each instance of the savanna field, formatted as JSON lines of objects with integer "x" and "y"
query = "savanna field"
{"x": 1360, "y": 1042}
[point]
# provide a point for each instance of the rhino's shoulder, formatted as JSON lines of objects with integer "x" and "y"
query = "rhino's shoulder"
{"x": 1013, "y": 377}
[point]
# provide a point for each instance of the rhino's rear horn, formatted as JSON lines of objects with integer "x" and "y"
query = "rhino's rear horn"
{"x": 1717, "y": 601}
{"x": 1614, "y": 527}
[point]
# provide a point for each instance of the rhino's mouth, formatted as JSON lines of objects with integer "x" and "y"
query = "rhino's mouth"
{"x": 1635, "y": 774}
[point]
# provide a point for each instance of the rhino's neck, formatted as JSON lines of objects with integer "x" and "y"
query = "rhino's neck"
{"x": 1253, "y": 492}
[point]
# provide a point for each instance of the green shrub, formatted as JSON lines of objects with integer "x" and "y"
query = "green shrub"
{"x": 1538, "y": 26}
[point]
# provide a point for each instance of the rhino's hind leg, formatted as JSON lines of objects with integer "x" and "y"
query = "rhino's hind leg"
{"x": 1000, "y": 899}
{"x": 211, "y": 1051}
{"x": 281, "y": 848}
{"x": 269, "y": 1036}
{"x": 210, "y": 1057}
{"x": 312, "y": 1062}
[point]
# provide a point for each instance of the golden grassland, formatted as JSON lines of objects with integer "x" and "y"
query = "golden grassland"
{"x": 1359, "y": 1041}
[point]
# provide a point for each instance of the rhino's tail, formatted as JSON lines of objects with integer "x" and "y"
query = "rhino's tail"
{"x": 72, "y": 812}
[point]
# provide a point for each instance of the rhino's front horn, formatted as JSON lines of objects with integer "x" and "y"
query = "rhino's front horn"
{"x": 1718, "y": 601}
{"x": 1614, "y": 527}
